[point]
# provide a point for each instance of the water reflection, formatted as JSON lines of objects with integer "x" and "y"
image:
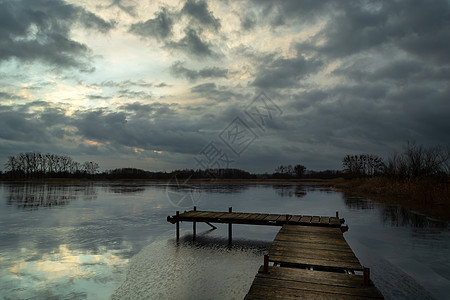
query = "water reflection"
{"x": 394, "y": 215}
{"x": 31, "y": 196}
{"x": 205, "y": 269}
{"x": 289, "y": 190}
{"x": 206, "y": 187}
{"x": 61, "y": 268}
{"x": 358, "y": 202}
{"x": 125, "y": 188}
{"x": 397, "y": 216}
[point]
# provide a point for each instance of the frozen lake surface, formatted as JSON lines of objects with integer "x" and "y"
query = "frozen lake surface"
{"x": 107, "y": 240}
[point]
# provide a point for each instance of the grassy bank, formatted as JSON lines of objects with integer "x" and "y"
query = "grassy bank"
{"x": 428, "y": 196}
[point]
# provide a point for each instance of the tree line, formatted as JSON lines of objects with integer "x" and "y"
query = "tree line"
{"x": 416, "y": 161}
{"x": 36, "y": 164}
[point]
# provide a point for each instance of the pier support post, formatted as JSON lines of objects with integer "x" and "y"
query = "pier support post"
{"x": 287, "y": 219}
{"x": 337, "y": 214}
{"x": 178, "y": 225}
{"x": 366, "y": 275}
{"x": 194, "y": 226}
{"x": 266, "y": 264}
{"x": 230, "y": 228}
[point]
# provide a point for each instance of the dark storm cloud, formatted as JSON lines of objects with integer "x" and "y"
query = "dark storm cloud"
{"x": 179, "y": 70}
{"x": 285, "y": 72}
{"x": 149, "y": 126}
{"x": 192, "y": 44}
{"x": 40, "y": 30}
{"x": 389, "y": 84}
{"x": 417, "y": 27}
{"x": 279, "y": 13}
{"x": 22, "y": 124}
{"x": 211, "y": 91}
{"x": 199, "y": 11}
{"x": 160, "y": 27}
{"x": 248, "y": 21}
{"x": 155, "y": 126}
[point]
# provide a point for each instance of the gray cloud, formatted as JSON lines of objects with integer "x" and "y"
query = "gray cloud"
{"x": 40, "y": 30}
{"x": 149, "y": 126}
{"x": 126, "y": 83}
{"x": 129, "y": 9}
{"x": 192, "y": 44}
{"x": 199, "y": 11}
{"x": 179, "y": 70}
{"x": 417, "y": 28}
{"x": 279, "y": 13}
{"x": 248, "y": 21}
{"x": 160, "y": 27}
{"x": 285, "y": 72}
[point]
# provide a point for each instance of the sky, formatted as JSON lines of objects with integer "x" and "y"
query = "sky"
{"x": 164, "y": 85}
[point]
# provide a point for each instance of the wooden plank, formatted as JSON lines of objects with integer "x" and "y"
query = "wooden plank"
{"x": 309, "y": 238}
{"x": 241, "y": 216}
{"x": 207, "y": 214}
{"x": 295, "y": 219}
{"x": 260, "y": 217}
{"x": 324, "y": 220}
{"x": 274, "y": 249}
{"x": 282, "y": 218}
{"x": 335, "y": 221}
{"x": 312, "y": 246}
{"x": 317, "y": 237}
{"x": 253, "y": 216}
{"x": 190, "y": 214}
{"x": 269, "y": 281}
{"x": 315, "y": 220}
{"x": 306, "y": 219}
{"x": 311, "y": 261}
{"x": 331, "y": 278}
{"x": 313, "y": 230}
{"x": 269, "y": 292}
{"x": 326, "y": 259}
{"x": 272, "y": 217}
{"x": 227, "y": 216}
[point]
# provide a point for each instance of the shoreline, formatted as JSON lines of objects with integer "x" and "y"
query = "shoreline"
{"x": 209, "y": 180}
{"x": 425, "y": 196}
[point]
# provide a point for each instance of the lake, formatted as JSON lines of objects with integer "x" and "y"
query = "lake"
{"x": 103, "y": 240}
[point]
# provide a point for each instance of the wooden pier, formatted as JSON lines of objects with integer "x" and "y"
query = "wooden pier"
{"x": 231, "y": 217}
{"x": 310, "y": 257}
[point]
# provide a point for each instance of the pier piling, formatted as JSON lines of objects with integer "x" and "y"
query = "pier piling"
{"x": 194, "y": 226}
{"x": 230, "y": 228}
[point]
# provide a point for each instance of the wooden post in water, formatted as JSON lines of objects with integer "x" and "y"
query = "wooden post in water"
{"x": 178, "y": 225}
{"x": 366, "y": 274}
{"x": 194, "y": 226}
{"x": 337, "y": 214}
{"x": 266, "y": 264}
{"x": 287, "y": 219}
{"x": 230, "y": 229}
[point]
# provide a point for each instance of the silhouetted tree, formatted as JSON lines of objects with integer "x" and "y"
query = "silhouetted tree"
{"x": 299, "y": 170}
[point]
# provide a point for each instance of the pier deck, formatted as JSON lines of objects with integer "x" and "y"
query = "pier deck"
{"x": 294, "y": 283}
{"x": 310, "y": 256}
{"x": 254, "y": 218}
{"x": 319, "y": 248}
